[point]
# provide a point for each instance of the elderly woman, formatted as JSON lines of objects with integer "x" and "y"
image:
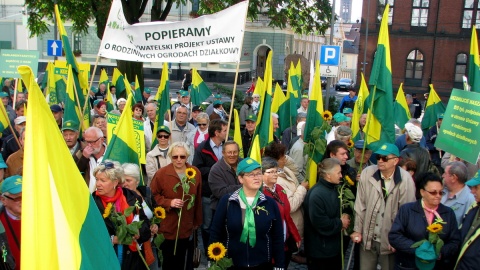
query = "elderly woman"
{"x": 185, "y": 205}
{"x": 110, "y": 177}
{"x": 323, "y": 222}
{"x": 138, "y": 109}
{"x": 411, "y": 224}
{"x": 201, "y": 134}
{"x": 157, "y": 157}
{"x": 100, "y": 122}
{"x": 132, "y": 179}
{"x": 249, "y": 223}
{"x": 272, "y": 189}
{"x": 120, "y": 106}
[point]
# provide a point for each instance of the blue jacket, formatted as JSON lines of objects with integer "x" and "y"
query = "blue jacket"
{"x": 227, "y": 226}
{"x": 471, "y": 257}
{"x": 410, "y": 227}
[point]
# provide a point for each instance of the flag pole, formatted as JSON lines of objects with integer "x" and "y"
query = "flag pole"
{"x": 368, "y": 127}
{"x": 78, "y": 103}
{"x": 15, "y": 93}
{"x": 91, "y": 82}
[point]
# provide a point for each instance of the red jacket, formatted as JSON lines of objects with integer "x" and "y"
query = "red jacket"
{"x": 284, "y": 211}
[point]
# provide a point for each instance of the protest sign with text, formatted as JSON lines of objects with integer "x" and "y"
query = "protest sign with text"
{"x": 211, "y": 38}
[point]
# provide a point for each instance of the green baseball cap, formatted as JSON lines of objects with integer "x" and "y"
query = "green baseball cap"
{"x": 251, "y": 117}
{"x": 70, "y": 125}
{"x": 218, "y": 96}
{"x": 440, "y": 116}
{"x": 184, "y": 93}
{"x": 94, "y": 90}
{"x": 247, "y": 165}
{"x": 163, "y": 128}
{"x": 3, "y": 94}
{"x": 475, "y": 181}
{"x": 347, "y": 110}
{"x": 388, "y": 149}
{"x": 147, "y": 90}
{"x": 12, "y": 184}
{"x": 340, "y": 117}
{"x": 217, "y": 102}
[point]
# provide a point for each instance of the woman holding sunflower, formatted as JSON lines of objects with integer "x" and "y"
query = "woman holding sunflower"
{"x": 109, "y": 196}
{"x": 425, "y": 219}
{"x": 177, "y": 188}
{"x": 249, "y": 223}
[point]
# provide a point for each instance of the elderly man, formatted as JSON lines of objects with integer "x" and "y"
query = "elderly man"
{"x": 414, "y": 151}
{"x": 470, "y": 250}
{"x": 10, "y": 217}
{"x": 70, "y": 132}
{"x": 218, "y": 111}
{"x": 102, "y": 92}
{"x": 382, "y": 189}
{"x": 401, "y": 141}
{"x": 92, "y": 155}
{"x": 148, "y": 125}
{"x": 457, "y": 195}
{"x": 340, "y": 120}
{"x": 255, "y": 103}
{"x": 180, "y": 127}
{"x": 15, "y": 160}
{"x": 247, "y": 133}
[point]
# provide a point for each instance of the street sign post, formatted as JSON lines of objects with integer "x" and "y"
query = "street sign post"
{"x": 54, "y": 47}
{"x": 329, "y": 60}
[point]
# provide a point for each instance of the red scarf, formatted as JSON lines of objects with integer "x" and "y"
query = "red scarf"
{"x": 120, "y": 203}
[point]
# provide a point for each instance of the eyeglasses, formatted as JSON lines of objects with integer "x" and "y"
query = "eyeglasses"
{"x": 108, "y": 165}
{"x": 253, "y": 175}
{"x": 273, "y": 171}
{"x": 177, "y": 157}
{"x": 384, "y": 158}
{"x": 92, "y": 142}
{"x": 233, "y": 153}
{"x": 17, "y": 199}
{"x": 435, "y": 193}
{"x": 202, "y": 125}
{"x": 163, "y": 136}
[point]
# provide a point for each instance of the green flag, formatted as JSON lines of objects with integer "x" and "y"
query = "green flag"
{"x": 72, "y": 113}
{"x": 163, "y": 102}
{"x": 117, "y": 80}
{"x": 264, "y": 125}
{"x": 199, "y": 91}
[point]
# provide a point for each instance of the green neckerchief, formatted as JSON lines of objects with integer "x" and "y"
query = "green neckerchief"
{"x": 249, "y": 224}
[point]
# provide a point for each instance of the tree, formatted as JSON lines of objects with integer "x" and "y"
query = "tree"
{"x": 304, "y": 16}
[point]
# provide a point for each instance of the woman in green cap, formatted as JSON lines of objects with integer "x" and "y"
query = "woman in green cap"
{"x": 249, "y": 224}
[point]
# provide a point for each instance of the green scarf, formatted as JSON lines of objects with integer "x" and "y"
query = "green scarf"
{"x": 249, "y": 224}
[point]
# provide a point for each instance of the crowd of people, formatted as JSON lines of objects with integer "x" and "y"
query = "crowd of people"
{"x": 379, "y": 203}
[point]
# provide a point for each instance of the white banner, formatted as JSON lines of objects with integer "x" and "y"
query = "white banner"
{"x": 210, "y": 38}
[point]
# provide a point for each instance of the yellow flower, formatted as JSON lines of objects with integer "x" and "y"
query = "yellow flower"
{"x": 435, "y": 228}
{"x": 350, "y": 143}
{"x": 108, "y": 209}
{"x": 216, "y": 251}
{"x": 327, "y": 115}
{"x": 190, "y": 172}
{"x": 159, "y": 212}
{"x": 349, "y": 181}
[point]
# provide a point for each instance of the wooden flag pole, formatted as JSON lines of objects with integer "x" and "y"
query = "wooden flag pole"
{"x": 366, "y": 131}
{"x": 90, "y": 84}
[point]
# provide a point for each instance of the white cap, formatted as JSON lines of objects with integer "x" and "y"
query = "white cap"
{"x": 415, "y": 133}
{"x": 19, "y": 120}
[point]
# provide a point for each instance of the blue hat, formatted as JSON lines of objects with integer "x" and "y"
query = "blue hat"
{"x": 147, "y": 90}
{"x": 12, "y": 184}
{"x": 247, "y": 165}
{"x": 388, "y": 149}
{"x": 425, "y": 256}
{"x": 347, "y": 110}
{"x": 359, "y": 144}
{"x": 56, "y": 108}
{"x": 3, "y": 94}
{"x": 475, "y": 181}
{"x": 340, "y": 117}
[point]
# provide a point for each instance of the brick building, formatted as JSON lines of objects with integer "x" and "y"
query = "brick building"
{"x": 429, "y": 41}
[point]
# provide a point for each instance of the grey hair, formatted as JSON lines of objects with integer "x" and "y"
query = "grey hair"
{"x": 131, "y": 170}
{"x": 181, "y": 106}
{"x": 151, "y": 104}
{"x": 97, "y": 131}
{"x": 459, "y": 169}
{"x": 121, "y": 100}
{"x": 275, "y": 115}
{"x": 268, "y": 163}
{"x": 115, "y": 173}
{"x": 327, "y": 165}
{"x": 343, "y": 133}
{"x": 409, "y": 97}
{"x": 203, "y": 115}
{"x": 174, "y": 145}
{"x": 300, "y": 116}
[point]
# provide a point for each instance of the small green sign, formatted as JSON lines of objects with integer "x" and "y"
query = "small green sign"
{"x": 460, "y": 127}
{"x": 11, "y": 59}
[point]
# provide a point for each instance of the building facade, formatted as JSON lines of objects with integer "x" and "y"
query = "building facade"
{"x": 429, "y": 42}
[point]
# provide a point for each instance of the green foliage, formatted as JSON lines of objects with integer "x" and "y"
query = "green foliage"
{"x": 125, "y": 232}
{"x": 333, "y": 104}
{"x": 158, "y": 240}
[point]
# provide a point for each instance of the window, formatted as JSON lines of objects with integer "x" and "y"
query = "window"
{"x": 77, "y": 42}
{"x": 381, "y": 7}
{"x": 195, "y": 5}
{"x": 471, "y": 14}
{"x": 460, "y": 67}
{"x": 414, "y": 69}
{"x": 420, "y": 13}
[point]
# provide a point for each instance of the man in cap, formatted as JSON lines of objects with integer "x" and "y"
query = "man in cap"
{"x": 209, "y": 109}
{"x": 381, "y": 190}
{"x": 401, "y": 141}
{"x": 348, "y": 101}
{"x": 157, "y": 157}
{"x": 348, "y": 112}
{"x": 340, "y": 120}
{"x": 247, "y": 133}
{"x": 91, "y": 95}
{"x": 457, "y": 195}
{"x": 10, "y": 217}
{"x": 184, "y": 101}
{"x": 57, "y": 112}
{"x": 195, "y": 111}
{"x": 414, "y": 151}
{"x": 357, "y": 157}
{"x": 435, "y": 153}
{"x": 92, "y": 155}
{"x": 10, "y": 144}
{"x": 15, "y": 160}
{"x": 218, "y": 111}
{"x": 146, "y": 94}
{"x": 469, "y": 257}
{"x": 70, "y": 132}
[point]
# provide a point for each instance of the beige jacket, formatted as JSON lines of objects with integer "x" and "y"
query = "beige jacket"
{"x": 370, "y": 198}
{"x": 296, "y": 194}
{"x": 153, "y": 159}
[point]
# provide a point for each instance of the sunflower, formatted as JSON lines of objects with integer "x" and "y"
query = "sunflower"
{"x": 350, "y": 143}
{"x": 108, "y": 209}
{"x": 349, "y": 181}
{"x": 190, "y": 172}
{"x": 327, "y": 115}
{"x": 159, "y": 212}
{"x": 435, "y": 228}
{"x": 216, "y": 251}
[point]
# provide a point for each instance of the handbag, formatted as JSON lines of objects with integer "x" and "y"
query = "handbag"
{"x": 197, "y": 254}
{"x": 147, "y": 249}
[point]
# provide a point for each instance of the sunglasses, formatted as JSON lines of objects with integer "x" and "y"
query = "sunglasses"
{"x": 17, "y": 199}
{"x": 202, "y": 125}
{"x": 435, "y": 193}
{"x": 384, "y": 158}
{"x": 163, "y": 136}
{"x": 108, "y": 165}
{"x": 177, "y": 157}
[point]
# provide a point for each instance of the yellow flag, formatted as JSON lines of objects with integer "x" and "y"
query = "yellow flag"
{"x": 255, "y": 150}
{"x": 278, "y": 98}
{"x": 237, "y": 135}
{"x": 358, "y": 109}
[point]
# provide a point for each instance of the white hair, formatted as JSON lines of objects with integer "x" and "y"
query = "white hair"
{"x": 131, "y": 170}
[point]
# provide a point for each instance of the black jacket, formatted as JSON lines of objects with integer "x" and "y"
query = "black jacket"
{"x": 419, "y": 154}
{"x": 204, "y": 159}
{"x": 470, "y": 259}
